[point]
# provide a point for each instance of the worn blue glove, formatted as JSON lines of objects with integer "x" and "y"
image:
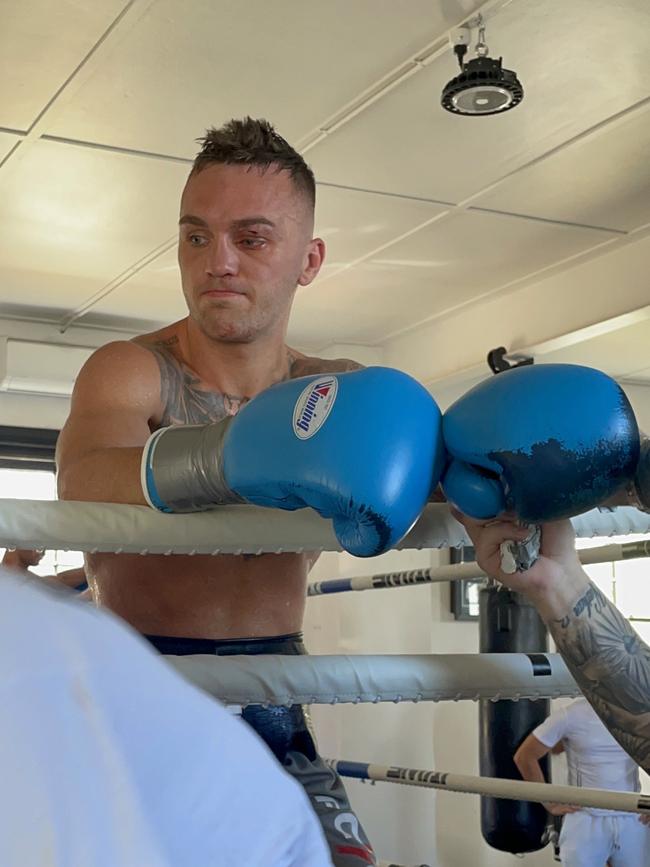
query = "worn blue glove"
{"x": 546, "y": 442}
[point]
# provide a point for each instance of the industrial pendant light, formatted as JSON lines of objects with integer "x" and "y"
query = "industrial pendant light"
{"x": 483, "y": 86}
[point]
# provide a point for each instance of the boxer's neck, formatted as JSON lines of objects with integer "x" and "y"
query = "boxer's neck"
{"x": 242, "y": 369}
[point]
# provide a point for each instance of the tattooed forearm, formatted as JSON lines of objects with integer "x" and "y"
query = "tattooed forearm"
{"x": 611, "y": 665}
{"x": 592, "y": 598}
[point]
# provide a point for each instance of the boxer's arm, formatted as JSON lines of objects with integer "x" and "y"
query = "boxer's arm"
{"x": 609, "y": 661}
{"x": 99, "y": 450}
{"x": 70, "y": 577}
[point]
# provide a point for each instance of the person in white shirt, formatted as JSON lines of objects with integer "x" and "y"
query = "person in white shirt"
{"x": 589, "y": 837}
{"x": 108, "y": 757}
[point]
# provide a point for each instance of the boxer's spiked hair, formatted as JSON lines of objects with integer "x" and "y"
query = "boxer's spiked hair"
{"x": 254, "y": 142}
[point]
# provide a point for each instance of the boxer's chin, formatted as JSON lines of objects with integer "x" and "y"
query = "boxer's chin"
{"x": 228, "y": 326}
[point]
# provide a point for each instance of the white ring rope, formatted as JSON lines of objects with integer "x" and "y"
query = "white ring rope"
{"x": 93, "y": 527}
{"x": 516, "y": 790}
{"x": 462, "y": 571}
{"x": 222, "y": 530}
{"x": 287, "y": 680}
{"x": 622, "y": 521}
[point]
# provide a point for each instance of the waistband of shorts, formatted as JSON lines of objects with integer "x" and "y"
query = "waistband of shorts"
{"x": 288, "y": 645}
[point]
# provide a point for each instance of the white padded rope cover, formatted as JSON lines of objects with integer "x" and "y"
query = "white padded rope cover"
{"x": 77, "y": 526}
{"x": 224, "y": 530}
{"x": 621, "y": 521}
{"x": 277, "y": 679}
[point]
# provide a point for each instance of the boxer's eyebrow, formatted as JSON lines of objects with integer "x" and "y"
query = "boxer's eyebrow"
{"x": 188, "y": 219}
{"x": 252, "y": 221}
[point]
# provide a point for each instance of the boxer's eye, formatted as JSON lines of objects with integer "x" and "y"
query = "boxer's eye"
{"x": 197, "y": 240}
{"x": 253, "y": 243}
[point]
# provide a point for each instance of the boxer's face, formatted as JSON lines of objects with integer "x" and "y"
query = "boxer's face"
{"x": 245, "y": 245}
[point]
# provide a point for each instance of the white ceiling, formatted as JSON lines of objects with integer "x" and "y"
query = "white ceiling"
{"x": 422, "y": 211}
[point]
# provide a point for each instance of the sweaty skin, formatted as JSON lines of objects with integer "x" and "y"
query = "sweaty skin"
{"x": 202, "y": 596}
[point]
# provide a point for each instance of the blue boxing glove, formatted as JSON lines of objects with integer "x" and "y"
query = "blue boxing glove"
{"x": 546, "y": 442}
{"x": 363, "y": 448}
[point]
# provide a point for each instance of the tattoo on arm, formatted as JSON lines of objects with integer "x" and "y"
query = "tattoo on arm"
{"x": 611, "y": 665}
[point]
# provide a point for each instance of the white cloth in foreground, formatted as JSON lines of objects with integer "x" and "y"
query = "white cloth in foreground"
{"x": 594, "y": 759}
{"x": 107, "y": 757}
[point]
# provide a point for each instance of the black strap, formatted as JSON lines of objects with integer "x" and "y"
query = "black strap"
{"x": 541, "y": 664}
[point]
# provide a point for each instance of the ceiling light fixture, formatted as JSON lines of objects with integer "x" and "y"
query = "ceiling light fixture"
{"x": 483, "y": 86}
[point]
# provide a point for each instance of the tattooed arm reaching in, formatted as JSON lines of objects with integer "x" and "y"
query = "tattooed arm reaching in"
{"x": 609, "y": 661}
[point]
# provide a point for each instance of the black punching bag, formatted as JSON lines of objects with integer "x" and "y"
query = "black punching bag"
{"x": 509, "y": 624}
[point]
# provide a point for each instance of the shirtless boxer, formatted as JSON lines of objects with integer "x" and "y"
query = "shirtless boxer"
{"x": 247, "y": 215}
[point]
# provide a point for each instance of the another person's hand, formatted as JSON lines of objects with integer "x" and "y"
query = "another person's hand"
{"x": 555, "y": 578}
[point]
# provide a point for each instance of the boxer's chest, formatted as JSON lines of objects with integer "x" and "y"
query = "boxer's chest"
{"x": 187, "y": 399}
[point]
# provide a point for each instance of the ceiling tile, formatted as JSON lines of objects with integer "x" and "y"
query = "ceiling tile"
{"x": 30, "y": 291}
{"x": 407, "y": 143}
{"x": 7, "y": 141}
{"x": 434, "y": 270}
{"x": 41, "y": 44}
{"x": 152, "y": 294}
{"x": 603, "y": 180}
{"x": 186, "y": 66}
{"x": 354, "y": 223}
{"x": 74, "y": 219}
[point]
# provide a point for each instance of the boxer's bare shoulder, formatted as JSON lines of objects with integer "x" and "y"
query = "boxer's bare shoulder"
{"x": 115, "y": 397}
{"x": 117, "y": 376}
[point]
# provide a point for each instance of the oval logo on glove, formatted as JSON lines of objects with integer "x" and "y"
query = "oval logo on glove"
{"x": 313, "y": 406}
